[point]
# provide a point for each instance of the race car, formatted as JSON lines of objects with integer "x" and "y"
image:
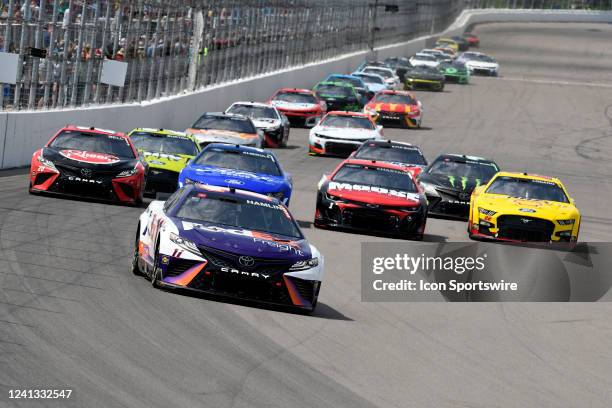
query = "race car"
{"x": 391, "y": 78}
{"x": 372, "y": 197}
{"x": 472, "y": 39}
{"x": 399, "y": 108}
{"x": 267, "y": 119}
{"x": 523, "y": 207}
{"x": 423, "y": 77}
{"x": 240, "y": 167}
{"x": 301, "y": 106}
{"x": 447, "y": 42}
{"x": 449, "y": 181}
{"x": 437, "y": 54}
{"x": 374, "y": 82}
{"x": 424, "y": 60}
{"x": 399, "y": 153}
{"x": 463, "y": 43}
{"x": 89, "y": 162}
{"x": 449, "y": 52}
{"x": 219, "y": 127}
{"x": 399, "y": 64}
{"x": 455, "y": 72}
{"x": 479, "y": 63}
{"x": 228, "y": 242}
{"x": 341, "y": 133}
{"x": 356, "y": 82}
{"x": 166, "y": 152}
{"x": 339, "y": 96}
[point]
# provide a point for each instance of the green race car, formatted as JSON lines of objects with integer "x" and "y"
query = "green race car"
{"x": 339, "y": 96}
{"x": 454, "y": 72}
{"x": 166, "y": 152}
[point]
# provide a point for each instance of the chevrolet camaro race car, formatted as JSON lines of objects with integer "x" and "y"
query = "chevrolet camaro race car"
{"x": 423, "y": 77}
{"x": 339, "y": 96}
{"x": 89, "y": 162}
{"x": 301, "y": 106}
{"x": 166, "y": 152}
{"x": 455, "y": 72}
{"x": 240, "y": 167}
{"x": 222, "y": 127}
{"x": 341, "y": 133}
{"x": 228, "y": 242}
{"x": 479, "y": 64}
{"x": 449, "y": 181}
{"x": 266, "y": 118}
{"x": 523, "y": 207}
{"x": 398, "y": 108}
{"x": 424, "y": 60}
{"x": 399, "y": 153}
{"x": 371, "y": 196}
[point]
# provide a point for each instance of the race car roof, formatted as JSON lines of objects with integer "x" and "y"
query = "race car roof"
{"x": 239, "y": 148}
{"x": 230, "y": 192}
{"x": 93, "y": 130}
{"x": 295, "y": 90}
{"x": 389, "y": 143}
{"x": 224, "y": 115}
{"x": 528, "y": 176}
{"x": 161, "y": 132}
{"x": 258, "y": 104}
{"x": 346, "y": 113}
{"x": 376, "y": 163}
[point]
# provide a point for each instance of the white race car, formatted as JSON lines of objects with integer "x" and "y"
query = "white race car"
{"x": 274, "y": 125}
{"x": 424, "y": 60}
{"x": 391, "y": 78}
{"x": 341, "y": 133}
{"x": 479, "y": 63}
{"x": 437, "y": 54}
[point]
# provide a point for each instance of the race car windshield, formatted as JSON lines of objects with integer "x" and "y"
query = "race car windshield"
{"x": 528, "y": 188}
{"x": 93, "y": 142}
{"x": 375, "y": 176}
{"x": 254, "y": 111}
{"x": 347, "y": 122}
{"x": 151, "y": 142}
{"x": 483, "y": 171}
{"x": 371, "y": 79}
{"x": 483, "y": 58}
{"x": 394, "y": 154}
{"x": 334, "y": 90}
{"x": 295, "y": 97}
{"x": 253, "y": 162}
{"x": 237, "y": 212}
{"x": 422, "y": 70}
{"x": 383, "y": 73}
{"x": 395, "y": 98}
{"x": 425, "y": 57}
{"x": 225, "y": 123}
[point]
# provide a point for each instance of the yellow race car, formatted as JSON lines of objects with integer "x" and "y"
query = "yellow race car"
{"x": 523, "y": 207}
{"x": 448, "y": 43}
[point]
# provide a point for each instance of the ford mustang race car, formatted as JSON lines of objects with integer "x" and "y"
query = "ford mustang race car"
{"x": 166, "y": 152}
{"x": 240, "y": 167}
{"x": 339, "y": 96}
{"x": 449, "y": 181}
{"x": 301, "y": 106}
{"x": 228, "y": 242}
{"x": 447, "y": 42}
{"x": 226, "y": 128}
{"x": 479, "y": 63}
{"x": 89, "y": 162}
{"x": 399, "y": 108}
{"x": 392, "y": 79}
{"x": 454, "y": 72}
{"x": 399, "y": 153}
{"x": 268, "y": 119}
{"x": 523, "y": 207}
{"x": 341, "y": 133}
{"x": 423, "y": 77}
{"x": 371, "y": 196}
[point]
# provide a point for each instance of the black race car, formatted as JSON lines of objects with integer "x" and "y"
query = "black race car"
{"x": 339, "y": 96}
{"x": 400, "y": 153}
{"x": 449, "y": 181}
{"x": 423, "y": 77}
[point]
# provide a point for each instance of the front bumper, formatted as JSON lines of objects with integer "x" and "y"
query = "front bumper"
{"x": 328, "y": 146}
{"x": 520, "y": 228}
{"x": 413, "y": 83}
{"x": 391, "y": 119}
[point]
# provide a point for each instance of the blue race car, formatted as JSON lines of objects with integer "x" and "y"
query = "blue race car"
{"x": 245, "y": 168}
{"x": 228, "y": 242}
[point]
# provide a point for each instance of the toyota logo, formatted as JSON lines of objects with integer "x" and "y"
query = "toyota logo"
{"x": 86, "y": 173}
{"x": 246, "y": 261}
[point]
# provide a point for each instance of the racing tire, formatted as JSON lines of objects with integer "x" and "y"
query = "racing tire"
{"x": 135, "y": 269}
{"x": 153, "y": 276}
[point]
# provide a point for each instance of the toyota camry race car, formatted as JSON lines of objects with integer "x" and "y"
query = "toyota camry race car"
{"x": 341, "y": 133}
{"x": 399, "y": 108}
{"x": 339, "y": 96}
{"x": 423, "y": 77}
{"x": 399, "y": 153}
{"x": 479, "y": 64}
{"x": 228, "y": 242}
{"x": 222, "y": 127}
{"x": 166, "y": 152}
{"x": 268, "y": 119}
{"x": 371, "y": 196}
{"x": 240, "y": 167}
{"x": 523, "y": 207}
{"x": 449, "y": 181}
{"x": 301, "y": 106}
{"x": 89, "y": 162}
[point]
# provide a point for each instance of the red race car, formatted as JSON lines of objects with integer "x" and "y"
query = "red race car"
{"x": 301, "y": 106}
{"x": 89, "y": 162}
{"x": 395, "y": 108}
{"x": 472, "y": 39}
{"x": 372, "y": 197}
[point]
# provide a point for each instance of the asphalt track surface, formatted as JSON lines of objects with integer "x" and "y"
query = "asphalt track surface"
{"x": 73, "y": 316}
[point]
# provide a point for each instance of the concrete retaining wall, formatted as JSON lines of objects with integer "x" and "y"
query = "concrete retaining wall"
{"x": 21, "y": 133}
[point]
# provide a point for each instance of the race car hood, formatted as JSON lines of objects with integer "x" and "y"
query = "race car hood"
{"x": 295, "y": 106}
{"x": 536, "y": 208}
{"x": 373, "y": 195}
{"x": 91, "y": 160}
{"x": 221, "y": 136}
{"x": 424, "y": 76}
{"x": 166, "y": 161}
{"x": 481, "y": 64}
{"x": 244, "y": 242}
{"x": 264, "y": 123}
{"x": 346, "y": 133}
{"x": 392, "y": 107}
{"x": 455, "y": 71}
{"x": 458, "y": 183}
{"x": 216, "y": 176}
{"x": 376, "y": 87}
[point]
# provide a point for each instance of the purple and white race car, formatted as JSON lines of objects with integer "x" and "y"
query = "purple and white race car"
{"x": 228, "y": 242}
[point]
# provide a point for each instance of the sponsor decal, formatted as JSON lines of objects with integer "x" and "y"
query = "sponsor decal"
{"x": 157, "y": 155}
{"x": 261, "y": 155}
{"x": 527, "y": 210}
{"x": 264, "y": 204}
{"x": 373, "y": 189}
{"x": 89, "y": 157}
{"x": 245, "y": 273}
{"x": 234, "y": 182}
{"x": 84, "y": 180}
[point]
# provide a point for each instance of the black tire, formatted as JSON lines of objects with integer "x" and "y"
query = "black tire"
{"x": 153, "y": 276}
{"x": 135, "y": 269}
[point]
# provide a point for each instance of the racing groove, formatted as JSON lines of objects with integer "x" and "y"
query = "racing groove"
{"x": 73, "y": 316}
